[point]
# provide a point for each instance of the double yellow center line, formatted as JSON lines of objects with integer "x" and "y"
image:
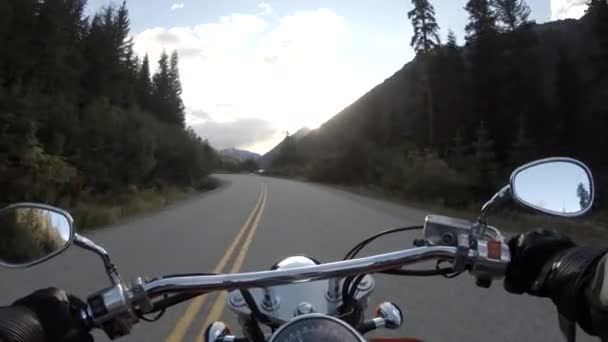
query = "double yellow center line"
{"x": 249, "y": 227}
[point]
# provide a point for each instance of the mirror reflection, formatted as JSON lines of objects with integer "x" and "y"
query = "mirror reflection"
{"x": 558, "y": 187}
{"x": 30, "y": 234}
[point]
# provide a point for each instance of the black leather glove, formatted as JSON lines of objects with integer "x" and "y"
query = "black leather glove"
{"x": 56, "y": 312}
{"x": 530, "y": 252}
{"x": 19, "y": 324}
{"x": 546, "y": 263}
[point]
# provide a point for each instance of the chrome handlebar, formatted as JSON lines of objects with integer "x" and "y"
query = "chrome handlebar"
{"x": 338, "y": 269}
{"x": 115, "y": 307}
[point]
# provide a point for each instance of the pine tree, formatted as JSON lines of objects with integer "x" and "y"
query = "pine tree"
{"x": 55, "y": 43}
{"x": 450, "y": 78}
{"x": 569, "y": 97}
{"x": 598, "y": 14}
{"x": 162, "y": 89}
{"x": 287, "y": 153}
{"x": 127, "y": 62}
{"x": 17, "y": 24}
{"x": 485, "y": 160}
{"x": 425, "y": 40}
{"x": 121, "y": 27}
{"x": 144, "y": 85}
{"x": 512, "y": 13}
{"x": 482, "y": 21}
{"x": 69, "y": 124}
{"x": 481, "y": 37}
{"x": 522, "y": 149}
{"x": 584, "y": 196}
{"x": 520, "y": 87}
{"x": 458, "y": 151}
{"x": 176, "y": 88}
{"x": 101, "y": 50}
{"x": 452, "y": 43}
{"x": 426, "y": 30}
{"x": 597, "y": 8}
{"x": 161, "y": 77}
{"x": 167, "y": 90}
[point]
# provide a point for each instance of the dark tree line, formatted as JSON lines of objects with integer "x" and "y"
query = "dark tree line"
{"x": 454, "y": 122}
{"x": 80, "y": 112}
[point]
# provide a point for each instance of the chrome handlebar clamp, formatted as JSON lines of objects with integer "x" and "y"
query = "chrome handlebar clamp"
{"x": 111, "y": 310}
{"x": 140, "y": 298}
{"x": 485, "y": 255}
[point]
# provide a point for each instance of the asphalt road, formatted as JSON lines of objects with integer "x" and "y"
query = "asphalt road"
{"x": 295, "y": 218}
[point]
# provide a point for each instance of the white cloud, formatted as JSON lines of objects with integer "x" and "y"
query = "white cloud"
{"x": 177, "y": 5}
{"x": 266, "y": 8}
{"x": 563, "y": 9}
{"x": 240, "y": 133}
{"x": 289, "y": 72}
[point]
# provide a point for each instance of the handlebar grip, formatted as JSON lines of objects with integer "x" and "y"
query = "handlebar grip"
{"x": 18, "y": 323}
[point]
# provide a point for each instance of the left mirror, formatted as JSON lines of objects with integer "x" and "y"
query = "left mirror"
{"x": 32, "y": 233}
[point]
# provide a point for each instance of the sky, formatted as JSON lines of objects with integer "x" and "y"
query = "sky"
{"x": 253, "y": 70}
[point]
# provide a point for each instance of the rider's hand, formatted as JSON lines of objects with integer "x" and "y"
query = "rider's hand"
{"x": 548, "y": 264}
{"x": 530, "y": 253}
{"x": 59, "y": 314}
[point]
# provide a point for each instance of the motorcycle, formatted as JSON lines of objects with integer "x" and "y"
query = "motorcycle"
{"x": 300, "y": 298}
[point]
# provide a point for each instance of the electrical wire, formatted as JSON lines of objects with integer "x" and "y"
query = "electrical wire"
{"x": 153, "y": 319}
{"x": 419, "y": 273}
{"x": 253, "y": 307}
{"x": 350, "y": 284}
{"x": 256, "y": 316}
{"x": 355, "y": 250}
{"x": 355, "y": 285}
{"x": 448, "y": 275}
{"x": 187, "y": 275}
{"x": 168, "y": 301}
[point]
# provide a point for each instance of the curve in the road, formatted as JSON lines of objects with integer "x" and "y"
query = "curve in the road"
{"x": 250, "y": 225}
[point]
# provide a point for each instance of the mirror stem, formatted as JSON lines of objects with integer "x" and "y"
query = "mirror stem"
{"x": 111, "y": 270}
{"x": 498, "y": 197}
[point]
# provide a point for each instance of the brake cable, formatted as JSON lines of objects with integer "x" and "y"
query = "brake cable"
{"x": 351, "y": 283}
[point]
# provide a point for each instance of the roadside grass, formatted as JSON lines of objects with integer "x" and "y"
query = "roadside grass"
{"x": 510, "y": 219}
{"x": 97, "y": 212}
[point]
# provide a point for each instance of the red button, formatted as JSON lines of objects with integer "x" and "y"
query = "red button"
{"x": 494, "y": 249}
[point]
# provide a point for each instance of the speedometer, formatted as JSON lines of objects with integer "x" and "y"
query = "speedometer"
{"x": 316, "y": 327}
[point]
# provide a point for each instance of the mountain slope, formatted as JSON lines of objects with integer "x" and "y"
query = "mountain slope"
{"x": 392, "y": 99}
{"x": 547, "y": 100}
{"x": 240, "y": 155}
{"x": 265, "y": 161}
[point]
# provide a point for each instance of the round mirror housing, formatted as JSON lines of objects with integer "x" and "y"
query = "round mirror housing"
{"x": 31, "y": 233}
{"x": 556, "y": 186}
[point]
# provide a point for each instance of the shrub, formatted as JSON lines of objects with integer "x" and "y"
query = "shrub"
{"x": 426, "y": 176}
{"x": 87, "y": 216}
{"x": 208, "y": 183}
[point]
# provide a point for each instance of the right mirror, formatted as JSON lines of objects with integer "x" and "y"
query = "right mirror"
{"x": 31, "y": 233}
{"x": 558, "y": 186}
